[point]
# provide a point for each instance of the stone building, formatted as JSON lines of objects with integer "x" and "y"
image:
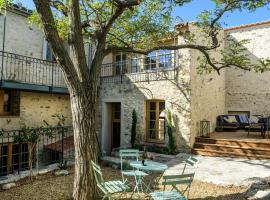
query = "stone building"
{"x": 33, "y": 89}
{"x": 169, "y": 80}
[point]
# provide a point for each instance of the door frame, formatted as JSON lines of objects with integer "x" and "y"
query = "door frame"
{"x": 117, "y": 121}
{"x": 104, "y": 129}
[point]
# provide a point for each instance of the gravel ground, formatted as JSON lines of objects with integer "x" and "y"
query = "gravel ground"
{"x": 49, "y": 187}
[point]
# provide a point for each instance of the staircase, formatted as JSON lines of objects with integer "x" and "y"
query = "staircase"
{"x": 232, "y": 148}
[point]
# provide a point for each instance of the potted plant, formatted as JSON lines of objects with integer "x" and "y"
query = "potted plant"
{"x": 144, "y": 156}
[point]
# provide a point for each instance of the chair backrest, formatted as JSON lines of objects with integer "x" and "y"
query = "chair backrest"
{"x": 191, "y": 161}
{"x": 128, "y": 154}
{"x": 176, "y": 180}
{"x": 99, "y": 177}
{"x": 124, "y": 153}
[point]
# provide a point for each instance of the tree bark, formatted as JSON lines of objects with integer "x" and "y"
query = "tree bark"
{"x": 83, "y": 107}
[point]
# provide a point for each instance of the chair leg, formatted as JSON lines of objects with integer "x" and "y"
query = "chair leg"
{"x": 137, "y": 186}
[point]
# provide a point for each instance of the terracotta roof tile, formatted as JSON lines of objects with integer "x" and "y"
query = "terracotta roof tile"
{"x": 267, "y": 22}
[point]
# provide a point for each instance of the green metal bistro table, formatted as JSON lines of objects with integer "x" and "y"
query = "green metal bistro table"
{"x": 150, "y": 167}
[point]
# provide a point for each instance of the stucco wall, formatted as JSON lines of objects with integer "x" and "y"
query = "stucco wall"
{"x": 207, "y": 90}
{"x": 250, "y": 91}
{"x": 21, "y": 38}
{"x": 36, "y": 107}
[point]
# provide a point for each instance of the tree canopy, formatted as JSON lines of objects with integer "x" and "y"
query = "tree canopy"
{"x": 138, "y": 26}
{"x": 141, "y": 25}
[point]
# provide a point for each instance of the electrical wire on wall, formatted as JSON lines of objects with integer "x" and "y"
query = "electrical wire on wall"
{"x": 3, "y": 39}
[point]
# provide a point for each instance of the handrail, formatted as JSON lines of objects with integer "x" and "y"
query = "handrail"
{"x": 30, "y": 70}
{"x": 28, "y": 57}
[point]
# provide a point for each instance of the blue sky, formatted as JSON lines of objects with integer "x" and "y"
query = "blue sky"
{"x": 191, "y": 10}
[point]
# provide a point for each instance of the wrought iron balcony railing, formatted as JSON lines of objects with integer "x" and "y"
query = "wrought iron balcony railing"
{"x": 27, "y": 70}
{"x": 23, "y": 69}
{"x": 149, "y": 68}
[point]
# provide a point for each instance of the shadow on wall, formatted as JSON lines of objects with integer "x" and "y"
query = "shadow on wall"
{"x": 249, "y": 97}
{"x": 134, "y": 90}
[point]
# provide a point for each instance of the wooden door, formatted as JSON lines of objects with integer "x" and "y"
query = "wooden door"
{"x": 116, "y": 125}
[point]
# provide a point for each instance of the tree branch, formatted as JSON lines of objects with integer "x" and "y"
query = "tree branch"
{"x": 60, "y": 6}
{"x": 76, "y": 40}
{"x": 121, "y": 6}
{"x": 51, "y": 33}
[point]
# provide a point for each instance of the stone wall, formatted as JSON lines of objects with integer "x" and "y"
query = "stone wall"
{"x": 36, "y": 107}
{"x": 207, "y": 90}
{"x": 250, "y": 91}
{"x": 133, "y": 96}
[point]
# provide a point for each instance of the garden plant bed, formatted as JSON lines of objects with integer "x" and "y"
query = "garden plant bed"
{"x": 51, "y": 187}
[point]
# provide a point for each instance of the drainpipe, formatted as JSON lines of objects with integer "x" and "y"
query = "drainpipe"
{"x": 3, "y": 40}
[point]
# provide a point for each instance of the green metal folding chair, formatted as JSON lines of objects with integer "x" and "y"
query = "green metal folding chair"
{"x": 175, "y": 193}
{"x": 110, "y": 187}
{"x": 190, "y": 161}
{"x": 126, "y": 154}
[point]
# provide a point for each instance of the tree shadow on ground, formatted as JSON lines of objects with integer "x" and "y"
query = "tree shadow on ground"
{"x": 236, "y": 196}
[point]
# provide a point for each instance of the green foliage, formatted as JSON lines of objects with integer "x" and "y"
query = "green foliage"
{"x": 63, "y": 165}
{"x": 172, "y": 146}
{"x": 147, "y": 24}
{"x": 27, "y": 135}
{"x": 4, "y": 3}
{"x": 133, "y": 128}
{"x": 32, "y": 135}
{"x": 153, "y": 148}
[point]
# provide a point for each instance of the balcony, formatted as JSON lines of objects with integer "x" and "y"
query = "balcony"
{"x": 33, "y": 74}
{"x": 145, "y": 69}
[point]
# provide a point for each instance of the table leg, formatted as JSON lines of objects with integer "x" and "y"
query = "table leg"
{"x": 154, "y": 181}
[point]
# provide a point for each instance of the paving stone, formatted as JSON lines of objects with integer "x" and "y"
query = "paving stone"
{"x": 8, "y": 186}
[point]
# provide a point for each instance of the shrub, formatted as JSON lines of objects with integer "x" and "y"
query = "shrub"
{"x": 153, "y": 148}
{"x": 172, "y": 146}
{"x": 133, "y": 128}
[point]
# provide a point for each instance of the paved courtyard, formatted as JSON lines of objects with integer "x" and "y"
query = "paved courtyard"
{"x": 224, "y": 171}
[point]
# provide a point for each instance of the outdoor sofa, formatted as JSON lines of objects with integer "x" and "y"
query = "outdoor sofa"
{"x": 229, "y": 122}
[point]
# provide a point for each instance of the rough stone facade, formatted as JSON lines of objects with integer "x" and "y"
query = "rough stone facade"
{"x": 247, "y": 90}
{"x": 36, "y": 107}
{"x": 25, "y": 44}
{"x": 207, "y": 90}
{"x": 133, "y": 96}
{"x": 189, "y": 96}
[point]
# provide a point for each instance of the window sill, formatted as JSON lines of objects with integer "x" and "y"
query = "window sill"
{"x": 156, "y": 143}
{"x": 9, "y": 116}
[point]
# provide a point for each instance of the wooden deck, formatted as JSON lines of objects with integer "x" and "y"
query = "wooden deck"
{"x": 239, "y": 135}
{"x": 234, "y": 144}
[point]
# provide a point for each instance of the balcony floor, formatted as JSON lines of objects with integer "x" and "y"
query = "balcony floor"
{"x": 32, "y": 87}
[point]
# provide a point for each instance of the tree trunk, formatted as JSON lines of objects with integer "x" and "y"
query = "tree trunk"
{"x": 83, "y": 107}
{"x": 31, "y": 148}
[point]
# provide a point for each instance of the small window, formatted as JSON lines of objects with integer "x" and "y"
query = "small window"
{"x": 151, "y": 61}
{"x": 13, "y": 157}
{"x": 155, "y": 121}
{"x": 159, "y": 59}
{"x": 120, "y": 64}
{"x": 10, "y": 103}
{"x": 165, "y": 59}
{"x": 49, "y": 53}
{"x": 7, "y": 101}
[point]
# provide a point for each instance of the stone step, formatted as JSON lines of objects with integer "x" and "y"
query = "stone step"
{"x": 233, "y": 149}
{"x": 206, "y": 152}
{"x": 241, "y": 143}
